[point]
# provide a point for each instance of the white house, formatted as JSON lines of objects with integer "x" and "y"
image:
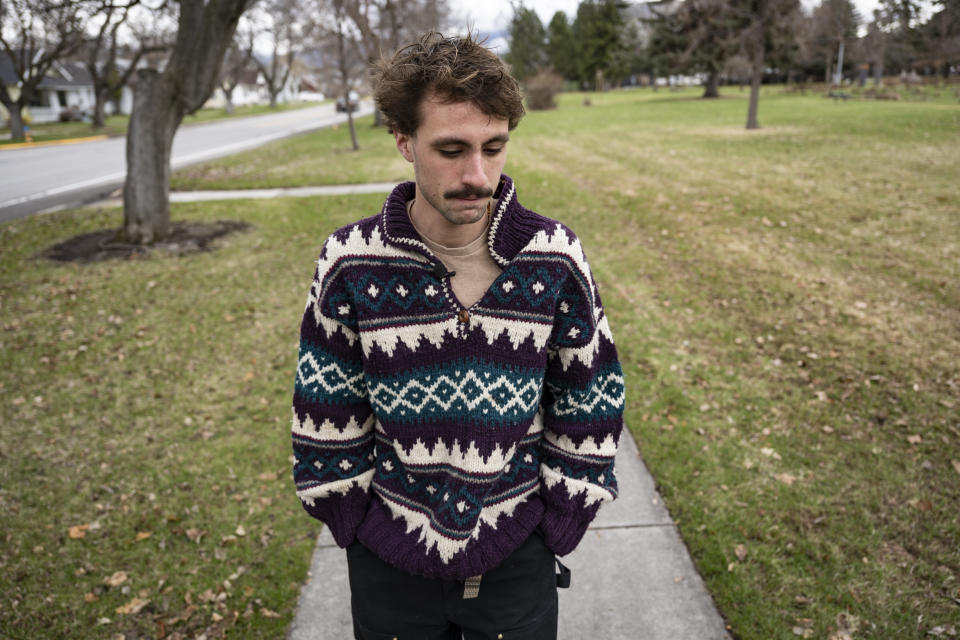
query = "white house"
{"x": 67, "y": 85}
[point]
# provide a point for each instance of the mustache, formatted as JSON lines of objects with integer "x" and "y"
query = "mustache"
{"x": 469, "y": 192}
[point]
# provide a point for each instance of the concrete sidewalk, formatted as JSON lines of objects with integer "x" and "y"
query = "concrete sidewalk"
{"x": 632, "y": 576}
{"x": 116, "y": 198}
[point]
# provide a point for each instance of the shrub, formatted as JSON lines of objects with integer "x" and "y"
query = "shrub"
{"x": 541, "y": 88}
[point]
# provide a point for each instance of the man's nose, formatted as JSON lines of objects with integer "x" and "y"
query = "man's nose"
{"x": 473, "y": 173}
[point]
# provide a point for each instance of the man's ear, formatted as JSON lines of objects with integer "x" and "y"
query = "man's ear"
{"x": 404, "y": 145}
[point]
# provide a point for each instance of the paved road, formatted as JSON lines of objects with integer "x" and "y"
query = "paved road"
{"x": 39, "y": 178}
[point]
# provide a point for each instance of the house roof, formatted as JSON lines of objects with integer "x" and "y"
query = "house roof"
{"x": 61, "y": 74}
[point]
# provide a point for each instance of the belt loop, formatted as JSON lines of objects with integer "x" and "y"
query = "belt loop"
{"x": 471, "y": 587}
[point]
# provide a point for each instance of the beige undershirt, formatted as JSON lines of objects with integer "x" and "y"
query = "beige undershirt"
{"x": 475, "y": 267}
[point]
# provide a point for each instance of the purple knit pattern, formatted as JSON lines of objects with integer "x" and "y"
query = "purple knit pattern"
{"x": 441, "y": 437}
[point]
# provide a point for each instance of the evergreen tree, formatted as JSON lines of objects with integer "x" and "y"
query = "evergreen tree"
{"x": 528, "y": 49}
{"x": 561, "y": 47}
{"x": 598, "y": 31}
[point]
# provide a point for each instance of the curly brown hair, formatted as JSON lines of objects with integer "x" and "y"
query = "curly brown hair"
{"x": 457, "y": 69}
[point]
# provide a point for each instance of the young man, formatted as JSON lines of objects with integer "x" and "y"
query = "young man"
{"x": 458, "y": 398}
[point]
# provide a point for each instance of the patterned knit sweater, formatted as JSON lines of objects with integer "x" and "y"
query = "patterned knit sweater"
{"x": 441, "y": 437}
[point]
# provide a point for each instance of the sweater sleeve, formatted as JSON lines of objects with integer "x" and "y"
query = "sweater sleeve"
{"x": 333, "y": 434}
{"x": 582, "y": 412}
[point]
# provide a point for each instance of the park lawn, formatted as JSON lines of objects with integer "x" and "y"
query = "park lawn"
{"x": 117, "y": 125}
{"x": 785, "y": 306}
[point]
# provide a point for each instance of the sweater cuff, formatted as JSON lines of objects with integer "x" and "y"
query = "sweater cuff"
{"x": 562, "y": 532}
{"x": 345, "y": 520}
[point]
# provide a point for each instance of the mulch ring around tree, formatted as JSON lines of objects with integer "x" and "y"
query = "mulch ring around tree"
{"x": 183, "y": 239}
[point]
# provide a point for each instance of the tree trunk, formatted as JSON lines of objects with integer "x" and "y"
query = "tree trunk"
{"x": 153, "y": 123}
{"x": 273, "y": 100}
{"x": 353, "y": 130}
{"x": 710, "y": 89}
{"x": 16, "y": 120}
{"x": 99, "y": 108}
{"x": 228, "y": 99}
{"x": 878, "y": 74}
{"x": 755, "y": 78}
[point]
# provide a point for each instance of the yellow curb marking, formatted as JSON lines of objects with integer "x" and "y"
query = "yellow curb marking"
{"x": 51, "y": 143}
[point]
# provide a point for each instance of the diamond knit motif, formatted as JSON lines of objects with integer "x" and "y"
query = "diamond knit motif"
{"x": 459, "y": 391}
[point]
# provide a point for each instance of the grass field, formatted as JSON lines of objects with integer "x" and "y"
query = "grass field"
{"x": 785, "y": 303}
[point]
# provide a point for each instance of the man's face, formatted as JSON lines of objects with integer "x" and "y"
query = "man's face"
{"x": 458, "y": 153}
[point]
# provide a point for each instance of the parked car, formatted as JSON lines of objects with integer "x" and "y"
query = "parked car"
{"x": 343, "y": 106}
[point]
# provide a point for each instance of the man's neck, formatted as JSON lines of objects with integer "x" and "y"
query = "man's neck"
{"x": 436, "y": 228}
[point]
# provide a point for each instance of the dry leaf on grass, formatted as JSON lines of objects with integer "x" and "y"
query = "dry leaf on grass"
{"x": 786, "y": 478}
{"x": 956, "y": 465}
{"x": 267, "y": 613}
{"x": 741, "y": 552}
{"x": 143, "y": 535}
{"x": 79, "y": 531}
{"x": 195, "y": 534}
{"x": 116, "y": 579}
{"x": 132, "y": 607}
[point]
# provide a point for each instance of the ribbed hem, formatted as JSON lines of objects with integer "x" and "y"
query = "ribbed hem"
{"x": 389, "y": 539}
{"x": 563, "y": 531}
{"x": 345, "y": 520}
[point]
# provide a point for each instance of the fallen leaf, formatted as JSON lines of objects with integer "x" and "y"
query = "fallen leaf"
{"x": 195, "y": 534}
{"x": 267, "y": 613}
{"x": 956, "y": 465}
{"x": 915, "y": 439}
{"x": 116, "y": 579}
{"x": 241, "y": 531}
{"x": 741, "y": 552}
{"x": 267, "y": 475}
{"x": 786, "y": 478}
{"x": 90, "y": 596}
{"x": 132, "y": 607}
{"x": 802, "y": 632}
{"x": 228, "y": 540}
{"x": 78, "y": 532}
{"x": 143, "y": 535}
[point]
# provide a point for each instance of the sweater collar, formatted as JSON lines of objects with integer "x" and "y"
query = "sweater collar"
{"x": 511, "y": 228}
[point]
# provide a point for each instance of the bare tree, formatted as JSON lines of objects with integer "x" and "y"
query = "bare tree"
{"x": 383, "y": 25}
{"x": 236, "y": 62}
{"x": 343, "y": 65}
{"x": 35, "y": 34}
{"x": 763, "y": 30}
{"x": 102, "y": 51}
{"x": 161, "y": 100}
{"x": 283, "y": 23}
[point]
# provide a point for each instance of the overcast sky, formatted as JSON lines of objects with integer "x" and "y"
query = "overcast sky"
{"x": 493, "y": 16}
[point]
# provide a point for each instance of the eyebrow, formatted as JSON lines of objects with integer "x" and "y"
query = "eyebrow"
{"x": 460, "y": 142}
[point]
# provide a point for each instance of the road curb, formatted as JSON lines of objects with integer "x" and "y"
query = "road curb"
{"x": 51, "y": 143}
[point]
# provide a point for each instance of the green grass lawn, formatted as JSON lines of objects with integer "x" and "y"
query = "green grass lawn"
{"x": 785, "y": 303}
{"x": 117, "y": 125}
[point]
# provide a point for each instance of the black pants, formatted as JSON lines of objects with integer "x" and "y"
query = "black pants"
{"x": 517, "y": 600}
